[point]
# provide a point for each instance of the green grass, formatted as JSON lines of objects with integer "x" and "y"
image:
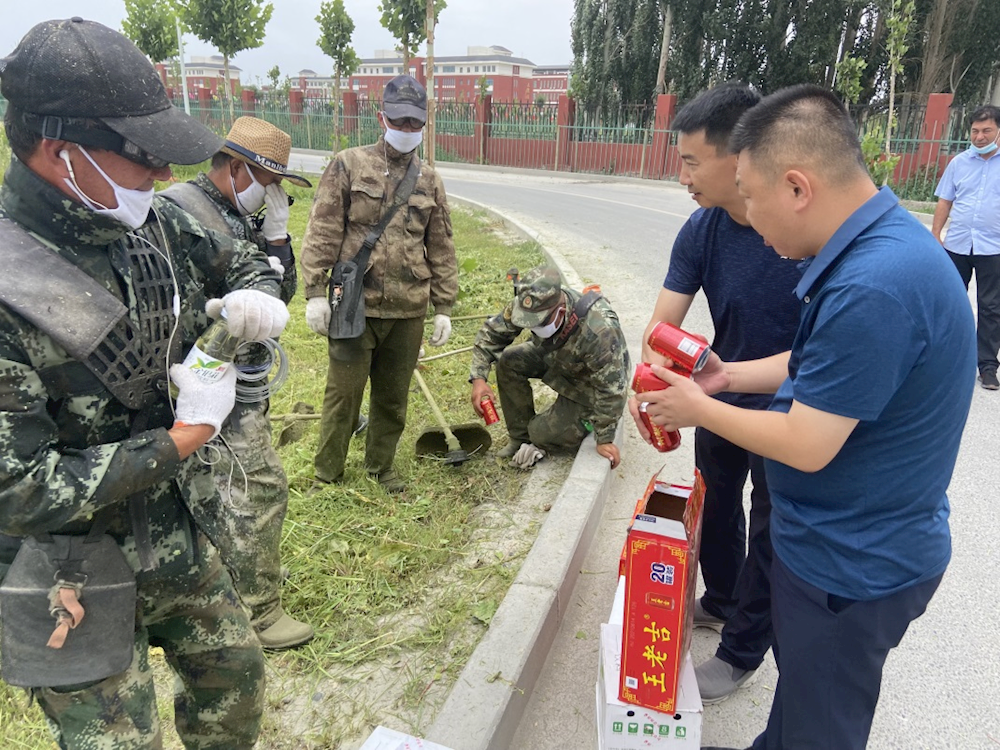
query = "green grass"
{"x": 399, "y": 590}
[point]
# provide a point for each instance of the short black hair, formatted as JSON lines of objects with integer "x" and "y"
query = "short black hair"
{"x": 220, "y": 160}
{"x": 801, "y": 125}
{"x": 716, "y": 111}
{"x": 23, "y": 140}
{"x": 985, "y": 112}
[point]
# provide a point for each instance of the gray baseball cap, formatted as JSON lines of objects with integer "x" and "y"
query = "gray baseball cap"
{"x": 405, "y": 97}
{"x": 65, "y": 72}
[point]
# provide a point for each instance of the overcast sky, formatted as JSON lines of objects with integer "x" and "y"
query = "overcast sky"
{"x": 535, "y": 29}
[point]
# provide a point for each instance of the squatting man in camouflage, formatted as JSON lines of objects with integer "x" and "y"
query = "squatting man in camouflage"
{"x": 580, "y": 355}
{"x": 91, "y": 128}
{"x": 412, "y": 263}
{"x": 245, "y": 177}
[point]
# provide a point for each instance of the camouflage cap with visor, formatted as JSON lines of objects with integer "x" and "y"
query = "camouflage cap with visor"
{"x": 80, "y": 81}
{"x": 539, "y": 294}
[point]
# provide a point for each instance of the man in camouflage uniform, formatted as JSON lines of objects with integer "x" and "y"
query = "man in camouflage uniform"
{"x": 245, "y": 177}
{"x": 583, "y": 358}
{"x": 91, "y": 128}
{"x": 412, "y": 263}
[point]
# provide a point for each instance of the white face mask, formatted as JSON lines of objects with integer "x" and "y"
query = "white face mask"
{"x": 549, "y": 330}
{"x": 133, "y": 205}
{"x": 250, "y": 200}
{"x": 402, "y": 141}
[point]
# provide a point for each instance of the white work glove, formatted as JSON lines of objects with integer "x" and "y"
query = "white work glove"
{"x": 527, "y": 456}
{"x": 253, "y": 315}
{"x": 318, "y": 315}
{"x": 276, "y": 264}
{"x": 275, "y": 227}
{"x": 201, "y": 402}
{"x": 442, "y": 330}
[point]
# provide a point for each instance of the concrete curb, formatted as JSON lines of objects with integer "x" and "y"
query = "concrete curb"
{"x": 486, "y": 704}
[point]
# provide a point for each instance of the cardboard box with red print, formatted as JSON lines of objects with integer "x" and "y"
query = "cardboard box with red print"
{"x": 661, "y": 566}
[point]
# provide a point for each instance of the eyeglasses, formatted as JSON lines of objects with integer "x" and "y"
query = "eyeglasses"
{"x": 133, "y": 153}
{"x": 403, "y": 122}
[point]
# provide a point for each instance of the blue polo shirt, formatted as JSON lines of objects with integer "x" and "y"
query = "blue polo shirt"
{"x": 973, "y": 183}
{"x": 886, "y": 337}
{"x": 749, "y": 288}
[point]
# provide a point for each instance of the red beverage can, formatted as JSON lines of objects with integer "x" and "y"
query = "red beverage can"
{"x": 663, "y": 440}
{"x": 644, "y": 379}
{"x": 489, "y": 411}
{"x": 686, "y": 350}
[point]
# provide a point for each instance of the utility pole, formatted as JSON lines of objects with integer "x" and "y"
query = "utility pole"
{"x": 184, "y": 77}
{"x": 429, "y": 75}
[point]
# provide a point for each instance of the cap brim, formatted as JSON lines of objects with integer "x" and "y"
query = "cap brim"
{"x": 169, "y": 134}
{"x": 524, "y": 319}
{"x": 397, "y": 111}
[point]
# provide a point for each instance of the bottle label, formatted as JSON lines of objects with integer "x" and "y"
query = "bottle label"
{"x": 208, "y": 369}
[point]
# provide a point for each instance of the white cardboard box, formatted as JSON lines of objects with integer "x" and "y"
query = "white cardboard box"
{"x": 389, "y": 739}
{"x": 623, "y": 726}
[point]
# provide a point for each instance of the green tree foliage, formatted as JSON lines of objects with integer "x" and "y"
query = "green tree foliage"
{"x": 952, "y": 46}
{"x": 336, "y": 28}
{"x": 616, "y": 51}
{"x": 152, "y": 25}
{"x": 230, "y": 26}
{"x": 406, "y": 20}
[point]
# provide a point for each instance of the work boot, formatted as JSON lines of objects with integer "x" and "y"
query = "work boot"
{"x": 389, "y": 481}
{"x": 703, "y": 619}
{"x": 717, "y": 680}
{"x": 360, "y": 426}
{"x": 285, "y": 633}
{"x": 510, "y": 449}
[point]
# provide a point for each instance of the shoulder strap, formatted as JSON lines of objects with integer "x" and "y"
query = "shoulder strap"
{"x": 197, "y": 202}
{"x": 53, "y": 294}
{"x": 580, "y": 310}
{"x": 83, "y": 317}
{"x": 401, "y": 196}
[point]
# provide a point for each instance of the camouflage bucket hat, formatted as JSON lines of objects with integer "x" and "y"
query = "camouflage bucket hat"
{"x": 65, "y": 72}
{"x": 539, "y": 292}
{"x": 405, "y": 97}
{"x": 261, "y": 144}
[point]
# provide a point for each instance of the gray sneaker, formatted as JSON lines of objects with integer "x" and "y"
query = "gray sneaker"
{"x": 510, "y": 449}
{"x": 717, "y": 680}
{"x": 703, "y": 619}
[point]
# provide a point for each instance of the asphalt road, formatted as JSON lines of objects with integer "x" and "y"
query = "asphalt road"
{"x": 941, "y": 687}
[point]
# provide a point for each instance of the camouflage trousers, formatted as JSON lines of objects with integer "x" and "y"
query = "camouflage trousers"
{"x": 206, "y": 637}
{"x": 561, "y": 426}
{"x": 253, "y": 493}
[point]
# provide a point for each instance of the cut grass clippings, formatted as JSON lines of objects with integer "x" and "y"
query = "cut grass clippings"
{"x": 399, "y": 588}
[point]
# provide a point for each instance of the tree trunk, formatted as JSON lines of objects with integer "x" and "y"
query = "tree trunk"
{"x": 405, "y": 41}
{"x": 228, "y": 91}
{"x": 934, "y": 63}
{"x": 335, "y": 145}
{"x": 431, "y": 97}
{"x": 661, "y": 72}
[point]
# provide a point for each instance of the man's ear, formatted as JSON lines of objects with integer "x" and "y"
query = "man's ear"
{"x": 45, "y": 160}
{"x": 799, "y": 186}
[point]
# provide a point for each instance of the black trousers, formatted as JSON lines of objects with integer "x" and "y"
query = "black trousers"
{"x": 736, "y": 569}
{"x": 830, "y": 653}
{"x": 987, "y": 268}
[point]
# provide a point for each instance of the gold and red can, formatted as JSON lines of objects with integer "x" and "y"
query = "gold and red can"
{"x": 663, "y": 440}
{"x": 644, "y": 380}
{"x": 489, "y": 411}
{"x": 685, "y": 349}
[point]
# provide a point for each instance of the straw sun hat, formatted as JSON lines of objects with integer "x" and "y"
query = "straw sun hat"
{"x": 261, "y": 144}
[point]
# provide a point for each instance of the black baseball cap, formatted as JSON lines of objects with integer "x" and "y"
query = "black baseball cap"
{"x": 405, "y": 97}
{"x": 67, "y": 71}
